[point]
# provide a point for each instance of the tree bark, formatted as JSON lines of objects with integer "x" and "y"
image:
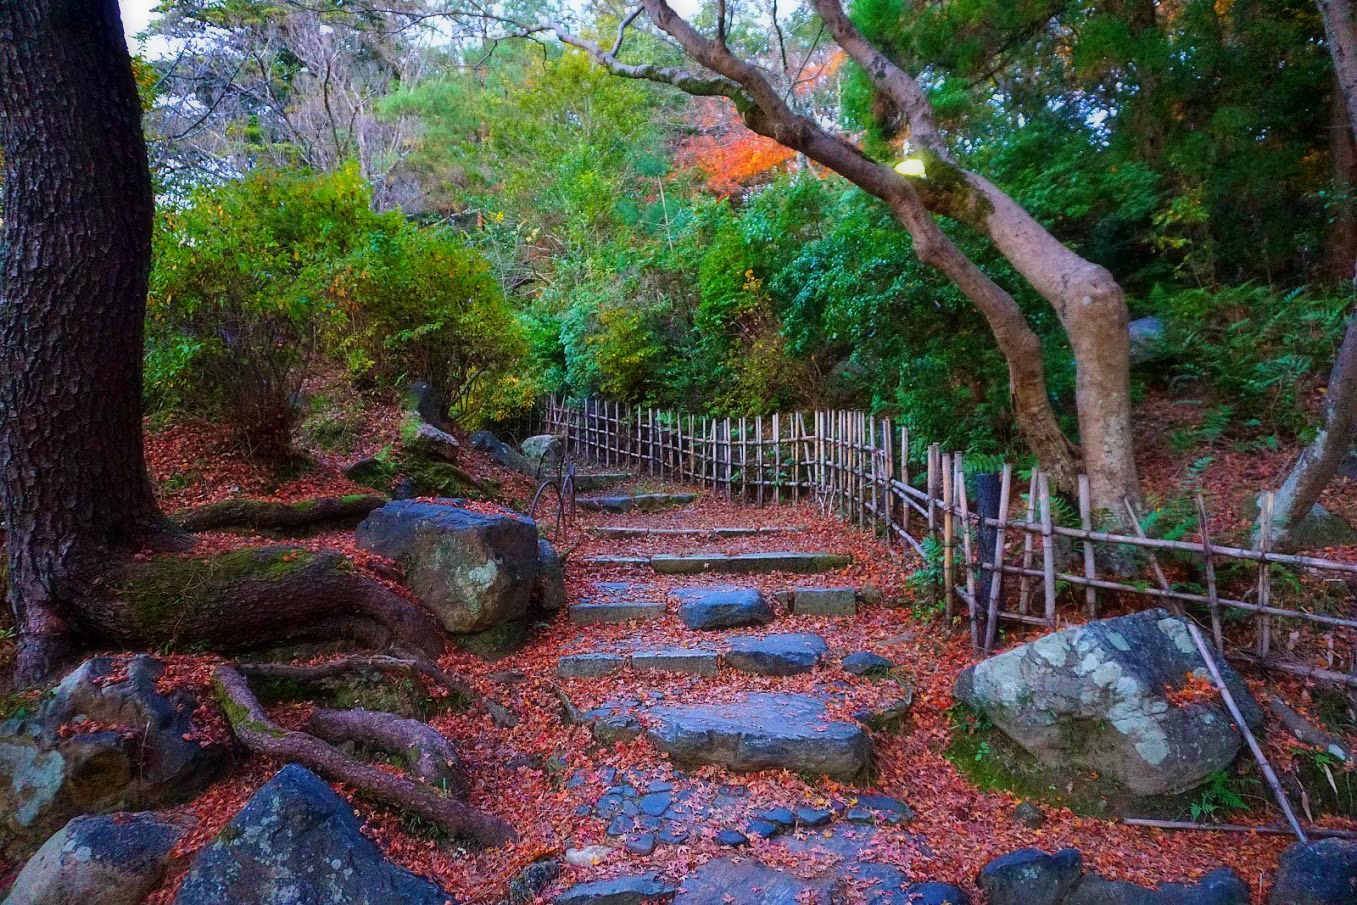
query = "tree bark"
{"x": 429, "y": 756}
{"x": 1320, "y": 460}
{"x": 1089, "y": 302}
{"x": 1340, "y": 31}
{"x": 76, "y": 246}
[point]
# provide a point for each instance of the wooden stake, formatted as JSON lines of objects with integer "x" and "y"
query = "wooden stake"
{"x": 964, "y": 517}
{"x": 1029, "y": 518}
{"x": 1265, "y": 574}
{"x": 1047, "y": 547}
{"x": 948, "y": 528}
{"x": 1159, "y": 575}
{"x": 1090, "y": 567}
{"x": 997, "y": 564}
{"x": 1243, "y": 727}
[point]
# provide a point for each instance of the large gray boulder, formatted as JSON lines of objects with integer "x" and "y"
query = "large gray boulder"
{"x": 1318, "y": 873}
{"x": 502, "y": 453}
{"x": 1029, "y": 876}
{"x": 138, "y": 749}
{"x": 549, "y": 594}
{"x": 543, "y": 452}
{"x": 1093, "y": 698}
{"x": 1147, "y": 339}
{"x": 298, "y": 843}
{"x": 113, "y": 859}
{"x": 1220, "y": 887}
{"x": 472, "y": 571}
{"x": 762, "y": 732}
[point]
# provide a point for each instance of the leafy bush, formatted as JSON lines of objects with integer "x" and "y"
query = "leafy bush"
{"x": 419, "y": 304}
{"x": 238, "y": 303}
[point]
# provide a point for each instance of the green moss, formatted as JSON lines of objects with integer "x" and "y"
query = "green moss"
{"x": 498, "y": 642}
{"x": 947, "y": 182}
{"x": 162, "y": 592}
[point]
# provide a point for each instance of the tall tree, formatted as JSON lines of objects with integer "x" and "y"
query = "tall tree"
{"x": 76, "y": 246}
{"x": 1318, "y": 462}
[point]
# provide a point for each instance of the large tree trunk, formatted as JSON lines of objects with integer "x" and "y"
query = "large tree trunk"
{"x": 1320, "y": 460}
{"x": 76, "y": 246}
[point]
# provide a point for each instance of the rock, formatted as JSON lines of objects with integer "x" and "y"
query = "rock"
{"x": 138, "y": 749}
{"x": 589, "y": 666}
{"x": 298, "y": 843}
{"x": 1029, "y": 876}
{"x": 656, "y": 803}
{"x": 866, "y": 663}
{"x": 919, "y": 894}
{"x": 420, "y": 399}
{"x": 589, "y": 856}
{"x": 543, "y": 452}
{"x": 732, "y": 838}
{"x": 749, "y": 563}
{"x": 642, "y": 502}
{"x": 751, "y": 883}
{"x": 549, "y": 592}
{"x": 1147, "y": 339}
{"x": 472, "y": 571}
{"x": 531, "y": 882}
{"x": 888, "y": 715}
{"x": 783, "y": 817}
{"x": 616, "y": 612}
{"x": 762, "y": 732}
{"x": 808, "y": 816}
{"x": 1220, "y": 887}
{"x": 776, "y": 655}
{"x": 764, "y": 829}
{"x": 1092, "y": 698}
{"x": 685, "y": 661}
{"x": 421, "y": 438}
{"x": 1323, "y": 872}
{"x": 885, "y": 809}
{"x": 1030, "y": 815}
{"x": 611, "y": 724}
{"x": 722, "y": 607}
{"x": 115, "y": 859}
{"x": 502, "y": 453}
{"x": 1321, "y": 528}
{"x": 642, "y": 845}
{"x": 824, "y": 602}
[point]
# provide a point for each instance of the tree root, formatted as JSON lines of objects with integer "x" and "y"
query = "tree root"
{"x": 238, "y": 600}
{"x": 411, "y": 666}
{"x": 263, "y": 515}
{"x": 427, "y": 754}
{"x": 258, "y": 733}
{"x": 1306, "y": 731}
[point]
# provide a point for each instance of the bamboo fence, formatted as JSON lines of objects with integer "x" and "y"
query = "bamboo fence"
{"x": 858, "y": 467}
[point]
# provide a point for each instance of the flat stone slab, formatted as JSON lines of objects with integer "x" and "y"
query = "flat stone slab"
{"x": 750, "y": 882}
{"x": 629, "y": 531}
{"x": 599, "y": 480}
{"x": 633, "y": 890}
{"x": 722, "y": 607}
{"x": 589, "y": 666}
{"x": 616, "y": 611}
{"x": 776, "y": 655}
{"x": 686, "y": 661}
{"x": 762, "y": 732}
{"x": 618, "y": 560}
{"x": 640, "y": 502}
{"x": 824, "y": 601}
{"x": 749, "y": 563}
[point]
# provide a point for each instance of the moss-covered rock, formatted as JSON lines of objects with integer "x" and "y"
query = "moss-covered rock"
{"x": 266, "y": 515}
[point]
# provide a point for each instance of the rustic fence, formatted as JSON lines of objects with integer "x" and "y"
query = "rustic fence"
{"x": 860, "y": 468}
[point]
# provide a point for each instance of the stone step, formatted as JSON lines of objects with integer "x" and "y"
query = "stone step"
{"x": 764, "y": 655}
{"x": 616, "y": 612}
{"x": 717, "y": 607}
{"x": 749, "y": 563}
{"x": 838, "y": 601}
{"x": 641, "y": 502}
{"x": 629, "y": 531}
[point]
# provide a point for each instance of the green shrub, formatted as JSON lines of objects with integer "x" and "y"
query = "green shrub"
{"x": 419, "y": 304}
{"x": 238, "y": 303}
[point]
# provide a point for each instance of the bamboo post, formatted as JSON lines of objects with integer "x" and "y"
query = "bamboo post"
{"x": 744, "y": 460}
{"x": 758, "y": 454}
{"x": 1029, "y": 519}
{"x": 964, "y": 515}
{"x": 1265, "y": 574}
{"x": 1090, "y": 565}
{"x": 777, "y": 459}
{"x": 819, "y": 471}
{"x": 730, "y": 464}
{"x": 1209, "y": 565}
{"x": 934, "y": 479}
{"x": 798, "y": 431}
{"x": 1047, "y": 547}
{"x": 904, "y": 478}
{"x": 948, "y": 526}
{"x": 997, "y": 564}
{"x": 1244, "y": 730}
{"x": 1159, "y": 575}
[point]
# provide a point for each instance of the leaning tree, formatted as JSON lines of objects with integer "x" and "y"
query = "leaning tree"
{"x": 1088, "y": 301}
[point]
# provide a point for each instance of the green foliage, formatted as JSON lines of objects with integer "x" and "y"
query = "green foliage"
{"x": 422, "y": 305}
{"x": 238, "y": 304}
{"x": 1218, "y": 797}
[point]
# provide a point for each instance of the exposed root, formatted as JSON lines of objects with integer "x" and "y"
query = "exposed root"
{"x": 1306, "y": 731}
{"x": 256, "y": 732}
{"x": 427, "y": 754}
{"x": 241, "y": 599}
{"x": 263, "y": 515}
{"x": 411, "y": 666}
